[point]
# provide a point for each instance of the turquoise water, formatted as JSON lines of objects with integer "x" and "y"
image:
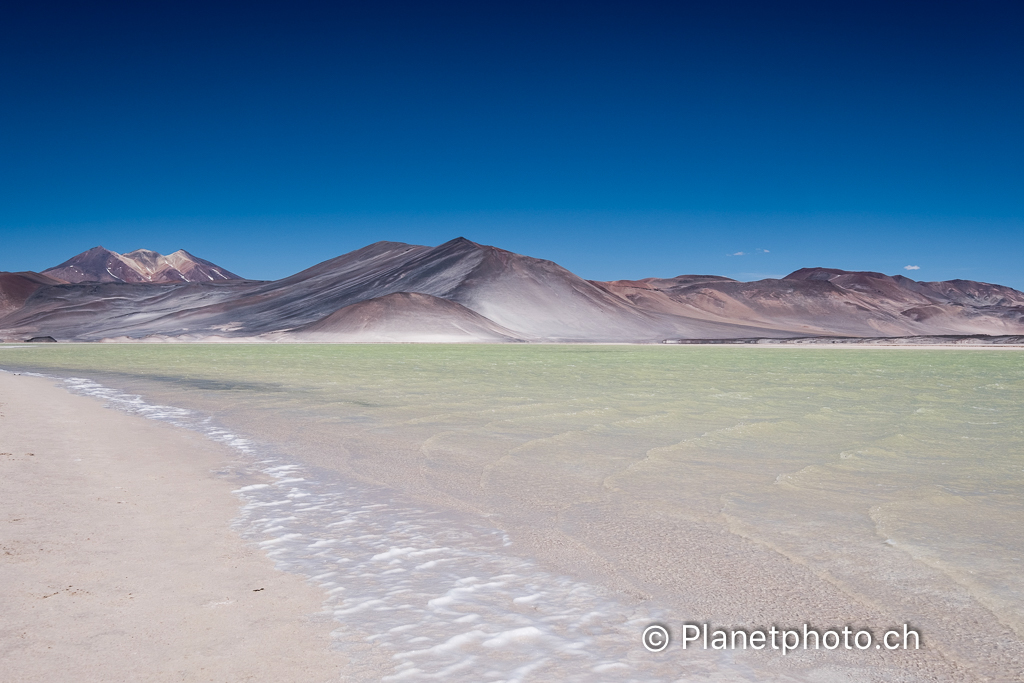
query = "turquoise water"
{"x": 744, "y": 486}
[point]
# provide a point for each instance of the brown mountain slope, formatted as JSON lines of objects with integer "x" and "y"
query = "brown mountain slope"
{"x": 16, "y": 288}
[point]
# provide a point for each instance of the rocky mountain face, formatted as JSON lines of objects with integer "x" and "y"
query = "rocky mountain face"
{"x": 463, "y": 291}
{"x": 142, "y": 265}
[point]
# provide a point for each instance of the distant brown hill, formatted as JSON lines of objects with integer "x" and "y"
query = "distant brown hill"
{"x": 827, "y": 301}
{"x": 142, "y": 265}
{"x": 463, "y": 291}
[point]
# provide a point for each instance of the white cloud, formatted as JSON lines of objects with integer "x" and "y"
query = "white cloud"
{"x": 911, "y": 267}
{"x": 739, "y": 253}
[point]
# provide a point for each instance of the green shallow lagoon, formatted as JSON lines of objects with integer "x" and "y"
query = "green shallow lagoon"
{"x": 746, "y": 486}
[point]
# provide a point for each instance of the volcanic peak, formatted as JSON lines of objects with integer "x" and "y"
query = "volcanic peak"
{"x": 139, "y": 266}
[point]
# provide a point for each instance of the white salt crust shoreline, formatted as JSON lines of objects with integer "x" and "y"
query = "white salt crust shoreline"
{"x": 118, "y": 561}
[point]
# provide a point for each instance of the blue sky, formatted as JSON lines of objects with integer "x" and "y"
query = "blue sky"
{"x": 621, "y": 140}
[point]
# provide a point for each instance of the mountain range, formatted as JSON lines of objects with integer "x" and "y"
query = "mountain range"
{"x": 461, "y": 291}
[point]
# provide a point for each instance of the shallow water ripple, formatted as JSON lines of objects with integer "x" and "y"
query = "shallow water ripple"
{"x": 442, "y": 594}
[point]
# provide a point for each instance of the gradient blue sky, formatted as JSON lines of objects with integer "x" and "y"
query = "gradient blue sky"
{"x": 621, "y": 140}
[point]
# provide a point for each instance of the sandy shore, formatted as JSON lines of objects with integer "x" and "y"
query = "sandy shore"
{"x": 118, "y": 562}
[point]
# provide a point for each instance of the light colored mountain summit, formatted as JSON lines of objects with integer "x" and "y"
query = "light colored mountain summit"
{"x": 142, "y": 265}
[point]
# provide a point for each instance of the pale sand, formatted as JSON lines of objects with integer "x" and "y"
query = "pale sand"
{"x": 118, "y": 562}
